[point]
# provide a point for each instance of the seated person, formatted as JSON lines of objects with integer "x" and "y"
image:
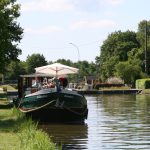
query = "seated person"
{"x": 63, "y": 82}
{"x": 51, "y": 84}
{"x": 44, "y": 85}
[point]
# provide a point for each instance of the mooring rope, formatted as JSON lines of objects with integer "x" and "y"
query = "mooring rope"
{"x": 76, "y": 112}
{"x": 38, "y": 107}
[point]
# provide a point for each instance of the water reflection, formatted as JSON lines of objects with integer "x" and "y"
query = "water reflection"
{"x": 114, "y": 122}
{"x": 124, "y": 121}
{"x": 69, "y": 136}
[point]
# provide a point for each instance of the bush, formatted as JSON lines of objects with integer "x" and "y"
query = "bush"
{"x": 34, "y": 139}
{"x": 107, "y": 85}
{"x": 21, "y": 133}
{"x": 143, "y": 84}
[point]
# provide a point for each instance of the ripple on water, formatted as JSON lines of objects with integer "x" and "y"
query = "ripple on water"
{"x": 114, "y": 122}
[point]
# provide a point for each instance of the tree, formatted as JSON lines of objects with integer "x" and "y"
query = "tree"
{"x": 141, "y": 32}
{"x": 86, "y": 68}
{"x": 136, "y": 57}
{"x": 65, "y": 62}
{"x": 141, "y": 36}
{"x": 115, "y": 49}
{"x": 107, "y": 69}
{"x": 14, "y": 69}
{"x": 10, "y": 32}
{"x": 128, "y": 72}
{"x": 35, "y": 60}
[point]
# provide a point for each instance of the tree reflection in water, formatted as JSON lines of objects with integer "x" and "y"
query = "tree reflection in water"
{"x": 114, "y": 122}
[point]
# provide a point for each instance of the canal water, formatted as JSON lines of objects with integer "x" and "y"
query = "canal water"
{"x": 114, "y": 122}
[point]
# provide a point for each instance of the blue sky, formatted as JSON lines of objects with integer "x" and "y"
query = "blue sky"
{"x": 51, "y": 25}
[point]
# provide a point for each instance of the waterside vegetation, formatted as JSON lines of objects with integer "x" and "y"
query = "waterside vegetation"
{"x": 18, "y": 132}
{"x": 122, "y": 54}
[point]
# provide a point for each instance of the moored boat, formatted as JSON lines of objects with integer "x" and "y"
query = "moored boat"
{"x": 49, "y": 103}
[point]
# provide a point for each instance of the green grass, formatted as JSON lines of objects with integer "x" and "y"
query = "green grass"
{"x": 37, "y": 139}
{"x": 9, "y": 87}
{"x": 115, "y": 88}
{"x": 145, "y": 91}
{"x": 20, "y": 133}
{"x": 8, "y": 123}
{"x": 5, "y": 88}
{"x": 9, "y": 141}
{"x": 2, "y": 95}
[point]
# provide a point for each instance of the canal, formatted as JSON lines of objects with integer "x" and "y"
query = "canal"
{"x": 114, "y": 122}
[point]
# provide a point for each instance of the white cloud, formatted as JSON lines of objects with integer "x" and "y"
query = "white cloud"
{"x": 108, "y": 14}
{"x": 92, "y": 24}
{"x": 112, "y": 2}
{"x": 47, "y": 5}
{"x": 43, "y": 30}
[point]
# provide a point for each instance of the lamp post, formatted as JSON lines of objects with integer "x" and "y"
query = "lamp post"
{"x": 77, "y": 50}
{"x": 146, "y": 47}
{"x": 78, "y": 58}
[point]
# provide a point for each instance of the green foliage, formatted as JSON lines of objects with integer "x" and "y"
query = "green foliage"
{"x": 141, "y": 32}
{"x": 128, "y": 72}
{"x": 147, "y": 84}
{"x": 65, "y": 62}
{"x": 143, "y": 84}
{"x": 85, "y": 68}
{"x": 10, "y": 32}
{"x": 136, "y": 55}
{"x": 14, "y": 69}
{"x": 32, "y": 138}
{"x": 141, "y": 38}
{"x": 10, "y": 120}
{"x": 118, "y": 44}
{"x": 124, "y": 52}
{"x": 108, "y": 68}
{"x": 115, "y": 49}
{"x": 35, "y": 60}
{"x": 21, "y": 133}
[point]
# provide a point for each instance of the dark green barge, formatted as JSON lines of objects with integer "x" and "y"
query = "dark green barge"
{"x": 50, "y": 104}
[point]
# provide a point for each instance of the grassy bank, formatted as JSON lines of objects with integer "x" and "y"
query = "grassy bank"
{"x": 145, "y": 91}
{"x": 19, "y": 133}
{"x": 8, "y": 87}
{"x": 5, "y": 88}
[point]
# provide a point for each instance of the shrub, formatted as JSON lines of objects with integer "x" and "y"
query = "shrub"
{"x": 34, "y": 139}
{"x": 21, "y": 133}
{"x": 115, "y": 80}
{"x": 143, "y": 83}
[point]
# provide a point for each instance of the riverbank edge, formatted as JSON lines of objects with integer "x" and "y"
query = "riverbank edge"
{"x": 110, "y": 91}
{"x": 93, "y": 91}
{"x": 25, "y": 130}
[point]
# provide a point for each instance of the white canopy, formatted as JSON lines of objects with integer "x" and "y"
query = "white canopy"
{"x": 56, "y": 69}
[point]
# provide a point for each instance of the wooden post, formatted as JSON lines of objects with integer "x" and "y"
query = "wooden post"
{"x": 2, "y": 78}
{"x": 146, "y": 47}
